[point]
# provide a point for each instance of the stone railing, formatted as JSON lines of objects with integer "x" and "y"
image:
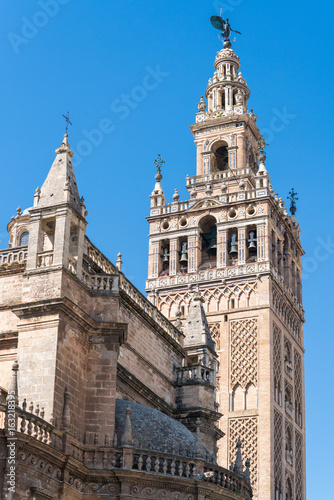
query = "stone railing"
{"x": 96, "y": 256}
{"x": 209, "y": 275}
{"x": 96, "y": 457}
{"x": 145, "y": 305}
{"x": 45, "y": 259}
{"x": 218, "y": 176}
{"x": 181, "y": 206}
{"x": 194, "y": 374}
{"x": 196, "y": 468}
{"x": 101, "y": 282}
{"x": 13, "y": 256}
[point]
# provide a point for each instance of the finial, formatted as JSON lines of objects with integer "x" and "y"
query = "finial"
{"x": 67, "y": 122}
{"x": 238, "y": 461}
{"x": 159, "y": 163}
{"x": 176, "y": 195}
{"x": 127, "y": 433}
{"x": 66, "y": 417}
{"x": 18, "y": 211}
{"x": 293, "y": 198}
{"x": 198, "y": 444}
{"x": 247, "y": 471}
{"x": 13, "y": 389}
{"x": 224, "y": 26}
{"x": 201, "y": 105}
{"x": 119, "y": 261}
{"x": 178, "y": 322}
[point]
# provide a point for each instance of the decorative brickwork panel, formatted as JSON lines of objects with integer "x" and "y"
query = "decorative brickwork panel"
{"x": 299, "y": 466}
{"x": 215, "y": 334}
{"x": 278, "y": 449}
{"x": 278, "y": 365}
{"x": 245, "y": 429}
{"x": 298, "y": 388}
{"x": 244, "y": 355}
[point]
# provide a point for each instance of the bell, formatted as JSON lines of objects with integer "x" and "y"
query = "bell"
{"x": 165, "y": 256}
{"x": 234, "y": 245}
{"x": 252, "y": 241}
{"x": 184, "y": 252}
{"x": 212, "y": 249}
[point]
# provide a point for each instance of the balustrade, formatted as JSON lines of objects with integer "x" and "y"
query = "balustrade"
{"x": 45, "y": 259}
{"x": 194, "y": 374}
{"x": 13, "y": 256}
{"x": 107, "y": 458}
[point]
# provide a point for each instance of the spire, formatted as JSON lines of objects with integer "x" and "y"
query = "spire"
{"x": 66, "y": 416}
{"x": 198, "y": 442}
{"x": 60, "y": 185}
{"x": 238, "y": 467}
{"x": 157, "y": 197}
{"x": 13, "y": 389}
{"x": 158, "y": 188}
{"x": 127, "y": 433}
{"x": 196, "y": 328}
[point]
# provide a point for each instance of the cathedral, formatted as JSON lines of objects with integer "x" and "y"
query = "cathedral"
{"x": 193, "y": 392}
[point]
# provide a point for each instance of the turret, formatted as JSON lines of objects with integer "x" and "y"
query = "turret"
{"x": 57, "y": 218}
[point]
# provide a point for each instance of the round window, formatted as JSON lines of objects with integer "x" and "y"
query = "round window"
{"x": 232, "y": 214}
{"x": 251, "y": 210}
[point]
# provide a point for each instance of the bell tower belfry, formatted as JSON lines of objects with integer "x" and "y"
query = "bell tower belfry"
{"x": 234, "y": 242}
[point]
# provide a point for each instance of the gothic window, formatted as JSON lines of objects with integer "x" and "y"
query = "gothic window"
{"x": 288, "y": 446}
{"x": 288, "y": 400}
{"x": 24, "y": 238}
{"x": 287, "y": 357}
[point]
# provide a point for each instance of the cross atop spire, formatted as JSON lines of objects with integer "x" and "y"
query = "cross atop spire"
{"x": 67, "y": 118}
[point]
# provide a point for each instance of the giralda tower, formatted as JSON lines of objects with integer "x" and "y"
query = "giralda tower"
{"x": 234, "y": 241}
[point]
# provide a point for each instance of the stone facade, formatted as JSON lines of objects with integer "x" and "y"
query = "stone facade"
{"x": 234, "y": 242}
{"x": 108, "y": 398}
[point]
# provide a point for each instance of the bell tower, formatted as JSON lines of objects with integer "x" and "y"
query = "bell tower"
{"x": 234, "y": 242}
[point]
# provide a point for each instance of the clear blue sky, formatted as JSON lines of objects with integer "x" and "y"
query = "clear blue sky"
{"x": 85, "y": 57}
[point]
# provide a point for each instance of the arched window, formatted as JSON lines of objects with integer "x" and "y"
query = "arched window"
{"x": 24, "y": 238}
{"x": 221, "y": 155}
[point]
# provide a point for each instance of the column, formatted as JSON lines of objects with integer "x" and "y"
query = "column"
{"x": 174, "y": 257}
{"x": 221, "y": 248}
{"x": 260, "y": 243}
{"x": 35, "y": 240}
{"x": 241, "y": 246}
{"x": 154, "y": 260}
{"x": 61, "y": 239}
{"x": 193, "y": 253}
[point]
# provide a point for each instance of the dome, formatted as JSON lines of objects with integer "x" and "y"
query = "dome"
{"x": 152, "y": 429}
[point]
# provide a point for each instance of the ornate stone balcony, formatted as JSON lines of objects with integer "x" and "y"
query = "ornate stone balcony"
{"x": 12, "y": 256}
{"x": 195, "y": 374}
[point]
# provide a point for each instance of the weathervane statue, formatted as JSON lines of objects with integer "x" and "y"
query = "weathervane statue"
{"x": 224, "y": 26}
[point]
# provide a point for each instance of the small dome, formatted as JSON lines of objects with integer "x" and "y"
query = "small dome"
{"x": 152, "y": 429}
{"x": 26, "y": 211}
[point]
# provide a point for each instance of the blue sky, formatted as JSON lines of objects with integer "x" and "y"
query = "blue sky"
{"x": 87, "y": 57}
